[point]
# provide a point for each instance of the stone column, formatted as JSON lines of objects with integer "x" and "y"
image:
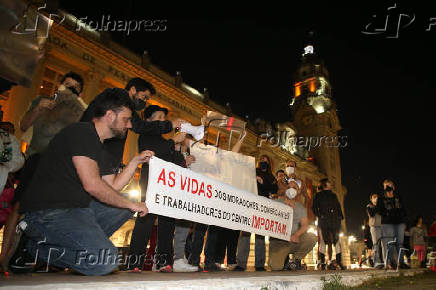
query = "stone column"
{"x": 21, "y": 97}
{"x": 92, "y": 80}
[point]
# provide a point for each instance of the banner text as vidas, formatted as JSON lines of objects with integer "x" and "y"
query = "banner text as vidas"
{"x": 183, "y": 194}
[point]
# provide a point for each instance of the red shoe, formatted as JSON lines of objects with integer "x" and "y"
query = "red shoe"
{"x": 135, "y": 270}
{"x": 166, "y": 269}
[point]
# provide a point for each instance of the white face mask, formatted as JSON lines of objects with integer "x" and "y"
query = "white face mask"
{"x": 291, "y": 193}
{"x": 289, "y": 170}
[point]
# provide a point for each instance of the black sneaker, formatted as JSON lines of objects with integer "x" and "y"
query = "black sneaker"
{"x": 260, "y": 269}
{"x": 212, "y": 268}
{"x": 238, "y": 269}
{"x": 404, "y": 266}
{"x": 332, "y": 265}
{"x": 321, "y": 266}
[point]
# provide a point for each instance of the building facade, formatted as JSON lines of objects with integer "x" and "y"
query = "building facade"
{"x": 103, "y": 64}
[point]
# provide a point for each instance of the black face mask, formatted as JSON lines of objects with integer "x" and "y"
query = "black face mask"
{"x": 388, "y": 188}
{"x": 73, "y": 90}
{"x": 139, "y": 104}
{"x": 263, "y": 165}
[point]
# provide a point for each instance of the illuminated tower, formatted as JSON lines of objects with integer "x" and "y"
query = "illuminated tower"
{"x": 314, "y": 114}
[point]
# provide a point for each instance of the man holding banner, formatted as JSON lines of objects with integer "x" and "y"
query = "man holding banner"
{"x": 164, "y": 149}
{"x": 73, "y": 205}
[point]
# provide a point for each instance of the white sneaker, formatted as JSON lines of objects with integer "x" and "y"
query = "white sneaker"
{"x": 180, "y": 265}
{"x": 196, "y": 131}
{"x": 230, "y": 267}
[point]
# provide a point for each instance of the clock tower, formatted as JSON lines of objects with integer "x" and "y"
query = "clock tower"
{"x": 315, "y": 118}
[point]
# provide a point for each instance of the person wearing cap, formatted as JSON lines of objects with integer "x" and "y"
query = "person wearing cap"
{"x": 139, "y": 91}
{"x": 164, "y": 149}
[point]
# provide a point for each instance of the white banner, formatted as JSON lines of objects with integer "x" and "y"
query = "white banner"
{"x": 229, "y": 167}
{"x": 183, "y": 194}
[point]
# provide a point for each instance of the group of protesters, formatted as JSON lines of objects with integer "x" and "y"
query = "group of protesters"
{"x": 66, "y": 202}
{"x": 391, "y": 238}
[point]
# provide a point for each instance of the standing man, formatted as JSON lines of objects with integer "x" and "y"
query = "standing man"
{"x": 393, "y": 225}
{"x": 164, "y": 149}
{"x": 266, "y": 187}
{"x": 48, "y": 115}
{"x": 139, "y": 91}
{"x": 328, "y": 210}
{"x": 72, "y": 204}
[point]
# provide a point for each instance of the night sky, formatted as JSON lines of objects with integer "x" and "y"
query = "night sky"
{"x": 383, "y": 87}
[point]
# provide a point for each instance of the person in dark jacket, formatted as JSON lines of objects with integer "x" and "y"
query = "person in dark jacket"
{"x": 139, "y": 91}
{"x": 266, "y": 181}
{"x": 328, "y": 210}
{"x": 266, "y": 186}
{"x": 164, "y": 149}
{"x": 393, "y": 225}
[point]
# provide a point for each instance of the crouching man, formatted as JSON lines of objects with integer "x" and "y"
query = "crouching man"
{"x": 72, "y": 204}
{"x": 301, "y": 242}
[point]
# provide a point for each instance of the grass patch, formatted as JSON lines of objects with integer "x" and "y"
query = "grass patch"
{"x": 425, "y": 281}
{"x": 334, "y": 282}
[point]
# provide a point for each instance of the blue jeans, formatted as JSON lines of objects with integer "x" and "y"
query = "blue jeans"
{"x": 392, "y": 241}
{"x": 76, "y": 238}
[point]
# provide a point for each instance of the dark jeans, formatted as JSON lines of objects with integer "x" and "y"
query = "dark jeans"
{"x": 392, "y": 242}
{"x": 197, "y": 243}
{"x": 140, "y": 236}
{"x": 228, "y": 239}
{"x": 211, "y": 243}
{"x": 76, "y": 238}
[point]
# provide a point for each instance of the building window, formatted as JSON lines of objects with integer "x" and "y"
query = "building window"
{"x": 312, "y": 86}
{"x": 297, "y": 90}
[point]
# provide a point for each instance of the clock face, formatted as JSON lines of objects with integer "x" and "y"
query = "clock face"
{"x": 307, "y": 120}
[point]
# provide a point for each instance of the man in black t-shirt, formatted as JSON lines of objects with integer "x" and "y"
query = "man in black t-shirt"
{"x": 139, "y": 91}
{"x": 72, "y": 205}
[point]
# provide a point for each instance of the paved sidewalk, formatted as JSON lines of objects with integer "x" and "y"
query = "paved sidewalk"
{"x": 216, "y": 280}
